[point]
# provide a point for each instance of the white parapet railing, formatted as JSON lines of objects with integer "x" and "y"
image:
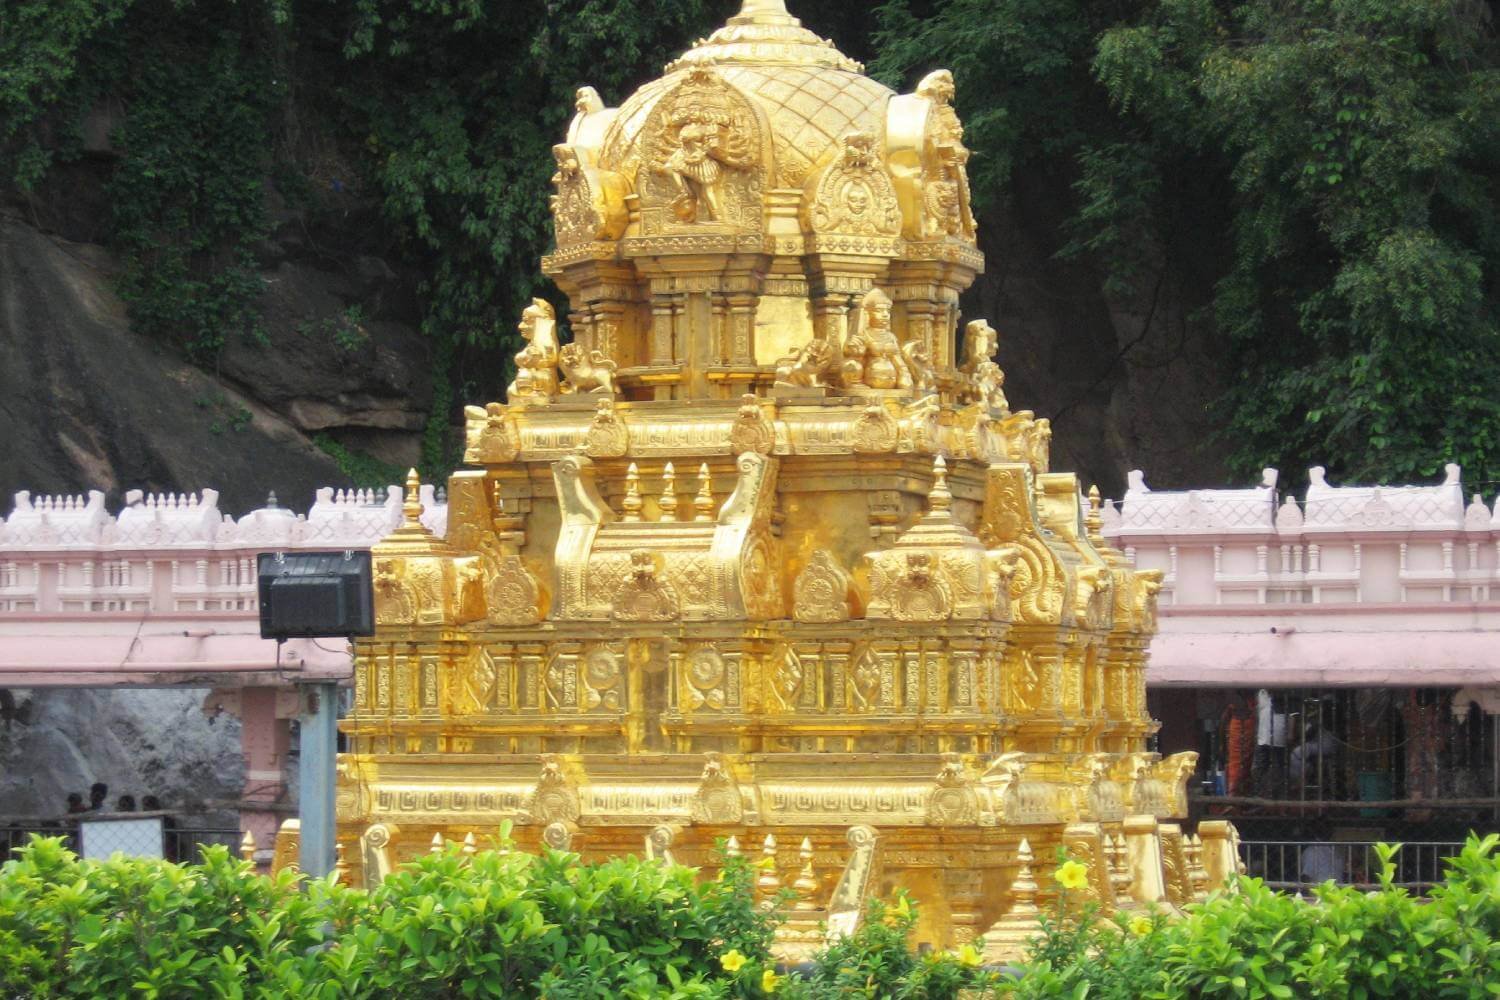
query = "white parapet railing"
{"x": 164, "y": 553}
{"x": 1354, "y": 584}
{"x": 164, "y": 590}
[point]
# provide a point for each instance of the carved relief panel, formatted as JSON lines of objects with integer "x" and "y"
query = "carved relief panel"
{"x": 704, "y": 160}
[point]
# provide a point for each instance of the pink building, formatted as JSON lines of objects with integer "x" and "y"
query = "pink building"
{"x": 1328, "y": 652}
{"x": 163, "y": 594}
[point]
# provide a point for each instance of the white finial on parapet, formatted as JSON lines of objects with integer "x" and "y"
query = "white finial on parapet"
{"x": 1268, "y": 478}
{"x": 1289, "y": 517}
{"x": 1452, "y": 474}
{"x": 1135, "y": 481}
{"x": 1317, "y": 476}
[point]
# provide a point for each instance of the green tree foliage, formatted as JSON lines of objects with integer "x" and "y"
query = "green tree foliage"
{"x": 1318, "y": 175}
{"x": 1342, "y": 151}
{"x": 444, "y": 112}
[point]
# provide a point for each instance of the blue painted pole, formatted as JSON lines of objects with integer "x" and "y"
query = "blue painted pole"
{"x": 316, "y": 776}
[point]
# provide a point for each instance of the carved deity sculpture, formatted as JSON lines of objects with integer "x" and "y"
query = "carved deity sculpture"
{"x": 585, "y": 371}
{"x": 813, "y": 365}
{"x": 703, "y": 141}
{"x": 947, "y": 196}
{"x": 536, "y": 363}
{"x": 986, "y": 380}
{"x": 854, "y": 194}
{"x": 872, "y": 354}
{"x": 919, "y": 361}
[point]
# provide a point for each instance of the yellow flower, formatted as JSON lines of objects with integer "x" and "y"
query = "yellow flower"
{"x": 769, "y": 981}
{"x": 732, "y": 960}
{"x": 766, "y": 864}
{"x": 1072, "y": 875}
{"x": 1140, "y": 925}
{"x": 899, "y": 912}
{"x": 969, "y": 955}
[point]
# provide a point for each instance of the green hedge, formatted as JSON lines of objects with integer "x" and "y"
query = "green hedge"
{"x": 1342, "y": 945}
{"x": 497, "y": 924}
{"x": 510, "y": 924}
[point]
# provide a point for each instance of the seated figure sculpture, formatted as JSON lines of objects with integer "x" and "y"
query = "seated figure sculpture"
{"x": 986, "y": 380}
{"x": 536, "y": 363}
{"x": 872, "y": 355}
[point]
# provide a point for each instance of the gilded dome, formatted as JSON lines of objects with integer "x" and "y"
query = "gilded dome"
{"x": 810, "y": 93}
{"x": 736, "y": 213}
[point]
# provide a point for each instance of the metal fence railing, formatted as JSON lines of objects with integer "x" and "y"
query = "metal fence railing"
{"x": 1298, "y": 866}
{"x": 181, "y": 840}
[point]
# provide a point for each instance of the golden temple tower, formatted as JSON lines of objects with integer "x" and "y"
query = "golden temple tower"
{"x": 771, "y": 557}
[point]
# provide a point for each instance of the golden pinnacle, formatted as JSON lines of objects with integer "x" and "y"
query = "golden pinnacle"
{"x": 668, "y": 502}
{"x": 939, "y": 499}
{"x": 632, "y": 502}
{"x": 703, "y": 503}
{"x": 411, "y": 509}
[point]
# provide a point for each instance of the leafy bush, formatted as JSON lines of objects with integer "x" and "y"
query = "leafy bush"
{"x": 1257, "y": 943}
{"x": 508, "y": 924}
{"x": 496, "y": 924}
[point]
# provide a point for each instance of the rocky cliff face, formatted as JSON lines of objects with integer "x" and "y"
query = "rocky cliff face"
{"x": 154, "y": 742}
{"x": 86, "y": 403}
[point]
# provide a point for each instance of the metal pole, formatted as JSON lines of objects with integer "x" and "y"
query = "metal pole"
{"x": 318, "y": 714}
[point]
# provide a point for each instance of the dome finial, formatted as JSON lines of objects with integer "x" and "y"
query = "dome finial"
{"x": 763, "y": 12}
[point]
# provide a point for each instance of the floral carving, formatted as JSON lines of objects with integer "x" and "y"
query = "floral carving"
{"x": 821, "y": 591}
{"x": 511, "y": 593}
{"x": 953, "y": 801}
{"x": 588, "y": 204}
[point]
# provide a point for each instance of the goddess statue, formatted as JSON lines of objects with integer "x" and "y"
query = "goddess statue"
{"x": 536, "y": 363}
{"x": 872, "y": 354}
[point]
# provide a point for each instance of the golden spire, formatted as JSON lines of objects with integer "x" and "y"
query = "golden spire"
{"x": 763, "y": 12}
{"x": 806, "y": 884}
{"x": 411, "y": 509}
{"x": 632, "y": 502}
{"x": 703, "y": 503}
{"x": 667, "y": 505}
{"x": 768, "y": 885}
{"x": 765, "y": 33}
{"x": 411, "y": 538}
{"x": 1023, "y": 889}
{"x": 939, "y": 499}
{"x": 1094, "y": 520}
